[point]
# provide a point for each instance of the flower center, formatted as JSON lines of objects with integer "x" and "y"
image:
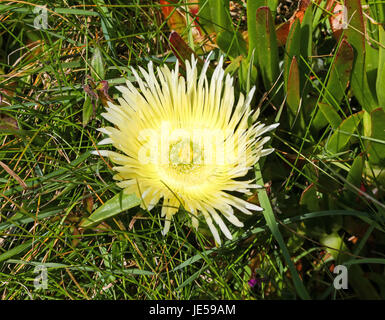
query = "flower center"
{"x": 185, "y": 156}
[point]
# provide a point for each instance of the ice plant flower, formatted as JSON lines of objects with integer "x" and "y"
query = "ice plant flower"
{"x": 184, "y": 141}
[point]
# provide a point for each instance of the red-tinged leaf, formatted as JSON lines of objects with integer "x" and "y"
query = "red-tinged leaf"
{"x": 303, "y": 4}
{"x": 175, "y": 19}
{"x": 283, "y": 29}
{"x": 293, "y": 89}
{"x": 183, "y": 52}
{"x": 293, "y": 98}
{"x": 180, "y": 48}
{"x": 194, "y": 9}
{"x": 293, "y": 49}
{"x": 167, "y": 8}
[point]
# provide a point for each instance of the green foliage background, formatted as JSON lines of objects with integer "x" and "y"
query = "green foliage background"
{"x": 324, "y": 185}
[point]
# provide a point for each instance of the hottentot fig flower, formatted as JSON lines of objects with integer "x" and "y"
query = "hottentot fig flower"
{"x": 186, "y": 141}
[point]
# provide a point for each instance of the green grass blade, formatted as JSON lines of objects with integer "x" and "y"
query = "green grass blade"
{"x": 16, "y": 250}
{"x": 272, "y": 224}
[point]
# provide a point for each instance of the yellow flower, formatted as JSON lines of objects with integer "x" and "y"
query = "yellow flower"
{"x": 183, "y": 141}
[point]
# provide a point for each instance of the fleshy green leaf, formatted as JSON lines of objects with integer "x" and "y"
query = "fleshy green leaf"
{"x": 97, "y": 64}
{"x": 380, "y": 83}
{"x": 339, "y": 75}
{"x": 88, "y": 110}
{"x": 293, "y": 49}
{"x": 376, "y": 149}
{"x": 205, "y": 20}
{"x": 342, "y": 135}
{"x": 330, "y": 114}
{"x": 252, "y": 7}
{"x": 307, "y": 32}
{"x": 231, "y": 43}
{"x": 119, "y": 203}
{"x": 309, "y": 198}
{"x": 220, "y": 14}
{"x": 354, "y": 178}
{"x": 267, "y": 49}
{"x": 293, "y": 98}
{"x": 356, "y": 37}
